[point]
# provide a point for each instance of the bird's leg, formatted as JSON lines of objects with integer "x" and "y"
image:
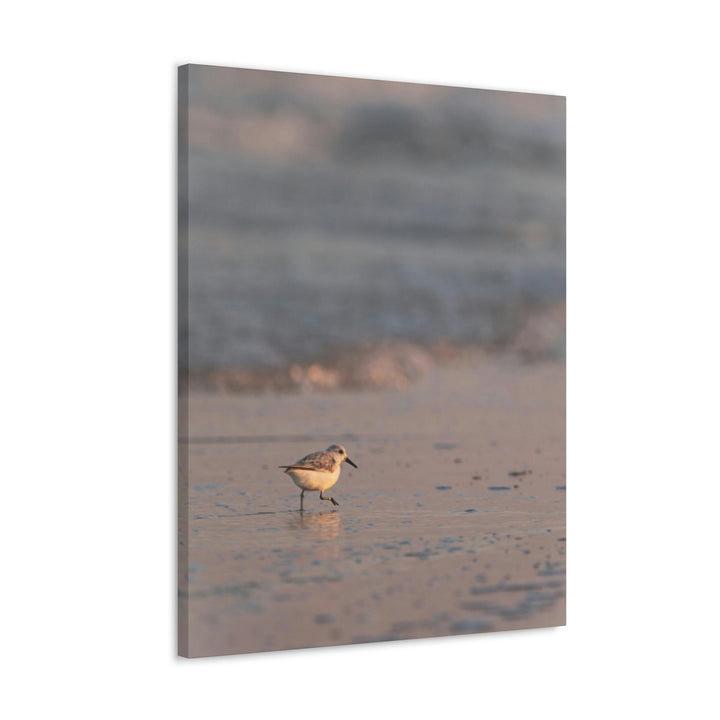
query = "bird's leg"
{"x": 302, "y": 493}
{"x": 332, "y": 500}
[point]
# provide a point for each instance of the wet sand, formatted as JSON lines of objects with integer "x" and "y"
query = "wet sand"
{"x": 454, "y": 522}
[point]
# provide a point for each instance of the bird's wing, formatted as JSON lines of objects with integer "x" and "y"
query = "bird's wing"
{"x": 320, "y": 460}
{"x": 299, "y": 467}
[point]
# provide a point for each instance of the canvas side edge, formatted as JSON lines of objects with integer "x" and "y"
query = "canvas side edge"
{"x": 182, "y": 360}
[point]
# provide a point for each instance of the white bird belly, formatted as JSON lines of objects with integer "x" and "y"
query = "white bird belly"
{"x": 313, "y": 479}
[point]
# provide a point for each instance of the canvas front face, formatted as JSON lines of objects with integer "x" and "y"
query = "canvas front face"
{"x": 371, "y": 361}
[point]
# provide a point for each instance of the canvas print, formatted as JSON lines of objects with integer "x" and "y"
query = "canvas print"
{"x": 371, "y": 361}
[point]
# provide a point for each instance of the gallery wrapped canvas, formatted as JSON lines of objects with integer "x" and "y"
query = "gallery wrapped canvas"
{"x": 371, "y": 361}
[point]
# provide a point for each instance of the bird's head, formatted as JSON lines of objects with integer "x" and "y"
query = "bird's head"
{"x": 341, "y": 454}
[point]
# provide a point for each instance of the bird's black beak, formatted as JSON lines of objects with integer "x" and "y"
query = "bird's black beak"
{"x": 348, "y": 460}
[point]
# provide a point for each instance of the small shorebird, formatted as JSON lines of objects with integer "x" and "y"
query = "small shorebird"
{"x": 318, "y": 471}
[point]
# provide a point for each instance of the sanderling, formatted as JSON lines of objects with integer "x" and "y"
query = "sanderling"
{"x": 318, "y": 471}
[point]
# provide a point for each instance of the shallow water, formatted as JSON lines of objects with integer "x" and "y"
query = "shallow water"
{"x": 423, "y": 543}
{"x": 379, "y": 567}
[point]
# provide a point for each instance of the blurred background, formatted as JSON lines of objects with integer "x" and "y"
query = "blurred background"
{"x": 346, "y": 232}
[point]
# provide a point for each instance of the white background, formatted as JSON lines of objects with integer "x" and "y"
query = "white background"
{"x": 87, "y": 296}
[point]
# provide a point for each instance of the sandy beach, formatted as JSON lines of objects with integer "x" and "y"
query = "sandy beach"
{"x": 454, "y": 522}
